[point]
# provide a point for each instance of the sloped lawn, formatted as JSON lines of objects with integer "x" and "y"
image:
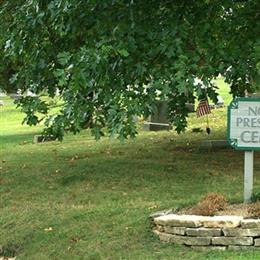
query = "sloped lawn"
{"x": 82, "y": 199}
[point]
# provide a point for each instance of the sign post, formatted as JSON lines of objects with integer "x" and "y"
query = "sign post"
{"x": 244, "y": 134}
{"x": 249, "y": 174}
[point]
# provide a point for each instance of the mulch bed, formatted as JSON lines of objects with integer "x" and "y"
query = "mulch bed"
{"x": 232, "y": 209}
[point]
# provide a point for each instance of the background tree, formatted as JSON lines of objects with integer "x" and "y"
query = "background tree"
{"x": 110, "y": 59}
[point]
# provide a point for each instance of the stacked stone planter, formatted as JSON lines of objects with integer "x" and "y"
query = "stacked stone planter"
{"x": 202, "y": 232}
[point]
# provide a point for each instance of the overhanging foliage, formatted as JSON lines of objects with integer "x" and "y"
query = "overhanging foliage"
{"x": 109, "y": 59}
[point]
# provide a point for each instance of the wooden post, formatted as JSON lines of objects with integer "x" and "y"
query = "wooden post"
{"x": 248, "y": 176}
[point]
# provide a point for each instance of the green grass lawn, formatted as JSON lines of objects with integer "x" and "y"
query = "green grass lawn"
{"x": 82, "y": 199}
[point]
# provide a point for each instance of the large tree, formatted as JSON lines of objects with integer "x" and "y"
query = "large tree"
{"x": 112, "y": 59}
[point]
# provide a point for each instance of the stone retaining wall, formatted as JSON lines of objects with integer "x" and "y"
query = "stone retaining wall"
{"x": 200, "y": 232}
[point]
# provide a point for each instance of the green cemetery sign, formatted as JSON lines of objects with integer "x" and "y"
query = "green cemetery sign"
{"x": 244, "y": 124}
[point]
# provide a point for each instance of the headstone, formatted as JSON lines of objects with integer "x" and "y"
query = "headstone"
{"x": 256, "y": 94}
{"x": 57, "y": 92}
{"x": 15, "y": 96}
{"x": 191, "y": 107}
{"x": 220, "y": 102}
{"x": 196, "y": 130}
{"x": 158, "y": 120}
{"x": 2, "y": 94}
{"x": 214, "y": 144}
{"x": 42, "y": 138}
{"x": 30, "y": 94}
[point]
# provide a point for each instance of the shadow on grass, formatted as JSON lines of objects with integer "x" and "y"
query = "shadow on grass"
{"x": 72, "y": 179}
{"x": 6, "y": 140}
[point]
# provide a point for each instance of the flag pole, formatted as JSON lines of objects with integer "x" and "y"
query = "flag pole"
{"x": 208, "y": 128}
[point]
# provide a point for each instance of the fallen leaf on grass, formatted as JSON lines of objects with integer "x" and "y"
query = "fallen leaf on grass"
{"x": 76, "y": 157}
{"x": 74, "y": 239}
{"x": 22, "y": 143}
{"x": 214, "y": 173}
{"x": 49, "y": 229}
{"x": 153, "y": 207}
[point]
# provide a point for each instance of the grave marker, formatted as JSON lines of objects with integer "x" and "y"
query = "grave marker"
{"x": 159, "y": 119}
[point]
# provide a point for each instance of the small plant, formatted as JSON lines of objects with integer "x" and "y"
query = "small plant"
{"x": 11, "y": 249}
{"x": 210, "y": 204}
{"x": 255, "y": 197}
{"x": 254, "y": 209}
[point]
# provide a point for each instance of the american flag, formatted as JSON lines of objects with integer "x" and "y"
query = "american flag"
{"x": 203, "y": 108}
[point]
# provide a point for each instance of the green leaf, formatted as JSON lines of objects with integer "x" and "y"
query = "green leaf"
{"x": 123, "y": 52}
{"x": 63, "y": 58}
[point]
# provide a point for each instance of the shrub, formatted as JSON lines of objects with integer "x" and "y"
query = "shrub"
{"x": 210, "y": 204}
